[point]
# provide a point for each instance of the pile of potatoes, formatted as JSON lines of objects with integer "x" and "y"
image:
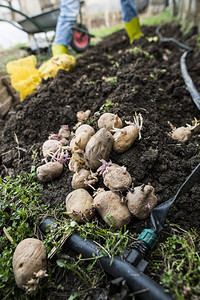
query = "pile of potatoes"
{"x": 89, "y": 155}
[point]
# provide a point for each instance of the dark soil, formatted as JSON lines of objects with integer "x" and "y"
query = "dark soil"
{"x": 153, "y": 87}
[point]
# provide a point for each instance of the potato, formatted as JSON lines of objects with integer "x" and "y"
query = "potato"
{"x": 182, "y": 134}
{"x": 124, "y": 138}
{"x": 50, "y": 147}
{"x": 77, "y": 161}
{"x": 141, "y": 201}
{"x": 98, "y": 147}
{"x": 29, "y": 264}
{"x": 80, "y": 140}
{"x": 64, "y": 132}
{"x": 116, "y": 178}
{"x": 79, "y": 178}
{"x": 109, "y": 121}
{"x": 110, "y": 207}
{"x": 49, "y": 171}
{"x": 87, "y": 128}
{"x": 79, "y": 205}
{"x": 82, "y": 115}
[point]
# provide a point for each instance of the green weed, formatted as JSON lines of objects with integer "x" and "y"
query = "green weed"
{"x": 179, "y": 260}
{"x": 106, "y": 106}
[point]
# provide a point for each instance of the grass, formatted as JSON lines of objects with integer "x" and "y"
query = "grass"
{"x": 178, "y": 258}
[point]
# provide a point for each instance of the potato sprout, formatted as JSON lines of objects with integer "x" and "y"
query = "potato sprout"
{"x": 109, "y": 121}
{"x": 116, "y": 177}
{"x": 124, "y": 138}
{"x": 183, "y": 134}
{"x": 82, "y": 115}
{"x": 141, "y": 200}
{"x": 29, "y": 264}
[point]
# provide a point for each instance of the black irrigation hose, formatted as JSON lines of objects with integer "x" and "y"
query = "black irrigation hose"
{"x": 188, "y": 81}
{"x": 159, "y": 213}
{"x": 139, "y": 283}
{"x": 162, "y": 39}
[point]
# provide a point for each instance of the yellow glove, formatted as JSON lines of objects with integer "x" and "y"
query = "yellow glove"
{"x": 133, "y": 29}
{"x": 59, "y": 49}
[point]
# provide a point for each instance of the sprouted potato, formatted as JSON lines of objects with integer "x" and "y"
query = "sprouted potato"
{"x": 29, "y": 264}
{"x": 98, "y": 147}
{"x": 79, "y": 179}
{"x": 109, "y": 121}
{"x": 183, "y": 134}
{"x": 124, "y": 137}
{"x": 116, "y": 177}
{"x": 112, "y": 209}
{"x": 50, "y": 146}
{"x": 141, "y": 200}
{"x": 79, "y": 205}
{"x": 49, "y": 171}
{"x": 82, "y": 115}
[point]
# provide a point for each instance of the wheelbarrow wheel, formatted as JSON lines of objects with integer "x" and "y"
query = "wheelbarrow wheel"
{"x": 81, "y": 40}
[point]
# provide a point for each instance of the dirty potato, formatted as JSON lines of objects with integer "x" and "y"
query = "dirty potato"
{"x": 182, "y": 134}
{"x": 111, "y": 209}
{"x": 109, "y": 121}
{"x": 49, "y": 171}
{"x": 29, "y": 264}
{"x": 79, "y": 178}
{"x": 141, "y": 201}
{"x": 82, "y": 115}
{"x": 87, "y": 128}
{"x": 80, "y": 140}
{"x": 79, "y": 205}
{"x": 98, "y": 148}
{"x": 124, "y": 138}
{"x": 64, "y": 132}
{"x": 50, "y": 147}
{"x": 116, "y": 178}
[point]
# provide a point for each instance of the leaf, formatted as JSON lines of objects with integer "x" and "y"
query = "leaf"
{"x": 61, "y": 263}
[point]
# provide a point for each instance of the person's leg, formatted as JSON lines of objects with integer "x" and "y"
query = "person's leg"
{"x": 131, "y": 20}
{"x": 69, "y": 10}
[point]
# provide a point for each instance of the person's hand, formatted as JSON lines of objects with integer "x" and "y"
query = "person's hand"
{"x": 133, "y": 29}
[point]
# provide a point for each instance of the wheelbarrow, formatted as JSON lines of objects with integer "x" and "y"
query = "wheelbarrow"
{"x": 45, "y": 22}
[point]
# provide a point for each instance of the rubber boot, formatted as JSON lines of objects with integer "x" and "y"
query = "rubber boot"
{"x": 59, "y": 49}
{"x": 133, "y": 29}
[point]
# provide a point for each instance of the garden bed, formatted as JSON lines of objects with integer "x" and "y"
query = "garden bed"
{"x": 114, "y": 76}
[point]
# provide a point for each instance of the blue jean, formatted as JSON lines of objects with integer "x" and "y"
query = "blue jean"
{"x": 69, "y": 10}
{"x": 129, "y": 10}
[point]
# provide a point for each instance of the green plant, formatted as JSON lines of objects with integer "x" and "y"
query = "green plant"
{"x": 112, "y": 79}
{"x": 136, "y": 51}
{"x": 20, "y": 213}
{"x": 106, "y": 106}
{"x": 179, "y": 260}
{"x": 90, "y": 82}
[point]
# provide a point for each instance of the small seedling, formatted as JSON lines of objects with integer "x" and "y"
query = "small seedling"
{"x": 107, "y": 105}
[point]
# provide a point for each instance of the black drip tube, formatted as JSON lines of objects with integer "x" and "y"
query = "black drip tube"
{"x": 162, "y": 39}
{"x": 144, "y": 287}
{"x": 188, "y": 81}
{"x": 159, "y": 213}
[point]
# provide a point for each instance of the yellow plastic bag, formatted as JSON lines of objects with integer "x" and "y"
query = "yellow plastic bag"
{"x": 24, "y": 75}
{"x": 61, "y": 61}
